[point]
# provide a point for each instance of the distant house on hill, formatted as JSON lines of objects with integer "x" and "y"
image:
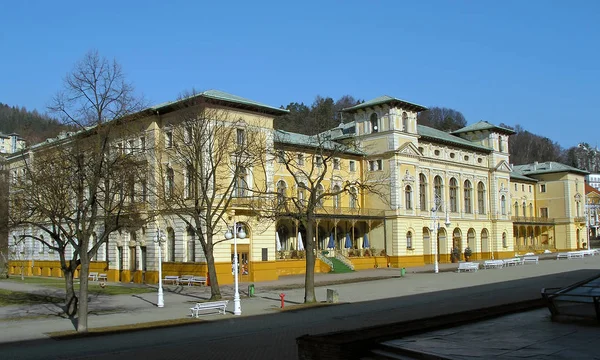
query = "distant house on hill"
{"x": 11, "y": 143}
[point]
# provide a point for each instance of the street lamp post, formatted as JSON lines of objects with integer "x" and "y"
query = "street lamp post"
{"x": 159, "y": 240}
{"x": 237, "y": 233}
{"x": 437, "y": 205}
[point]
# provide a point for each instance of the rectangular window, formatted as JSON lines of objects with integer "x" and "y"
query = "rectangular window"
{"x": 188, "y": 135}
{"x": 130, "y": 146}
{"x": 516, "y": 188}
{"x": 523, "y": 187}
{"x": 375, "y": 165}
{"x": 169, "y": 139}
{"x": 352, "y": 165}
{"x": 142, "y": 144}
{"x": 336, "y": 164}
{"x": 529, "y": 188}
{"x": 543, "y": 188}
{"x": 241, "y": 137}
{"x": 319, "y": 161}
{"x": 300, "y": 159}
{"x": 544, "y": 213}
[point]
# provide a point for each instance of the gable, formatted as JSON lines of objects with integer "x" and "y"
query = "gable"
{"x": 409, "y": 149}
{"x": 503, "y": 166}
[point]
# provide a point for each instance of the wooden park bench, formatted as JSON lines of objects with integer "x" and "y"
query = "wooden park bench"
{"x": 213, "y": 305}
{"x": 172, "y": 278}
{"x": 531, "y": 259}
{"x": 468, "y": 266}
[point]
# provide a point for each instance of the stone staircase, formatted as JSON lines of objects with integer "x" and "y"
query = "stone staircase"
{"x": 339, "y": 267}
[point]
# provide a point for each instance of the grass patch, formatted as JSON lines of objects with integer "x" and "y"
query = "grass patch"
{"x": 124, "y": 328}
{"x": 8, "y": 297}
{"x": 93, "y": 287}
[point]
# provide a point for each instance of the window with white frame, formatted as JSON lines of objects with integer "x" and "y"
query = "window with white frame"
{"x": 453, "y": 186}
{"x": 422, "y": 192}
{"x": 318, "y": 161}
{"x": 542, "y": 188}
{"x": 130, "y": 146}
{"x": 374, "y": 123}
{"x": 468, "y": 197}
{"x": 544, "y": 213}
{"x": 300, "y": 159}
{"x": 375, "y": 165}
{"x": 409, "y": 240}
{"x": 336, "y": 163}
{"x": 408, "y": 197}
{"x": 168, "y": 138}
{"x": 142, "y": 143}
{"x": 170, "y": 183}
{"x": 240, "y": 137}
{"x": 353, "y": 198}
{"x": 352, "y": 165}
{"x": 240, "y": 188}
{"x": 281, "y": 192}
{"x": 301, "y": 192}
{"x": 336, "y": 197}
{"x": 188, "y": 134}
{"x": 481, "y": 198}
{"x": 191, "y": 245}
{"x": 189, "y": 181}
{"x": 503, "y": 204}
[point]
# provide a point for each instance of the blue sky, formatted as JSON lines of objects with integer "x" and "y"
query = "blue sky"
{"x": 533, "y": 63}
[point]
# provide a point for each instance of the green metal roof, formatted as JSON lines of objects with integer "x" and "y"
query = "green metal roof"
{"x": 517, "y": 176}
{"x": 290, "y": 138}
{"x": 547, "y": 167}
{"x": 481, "y": 126}
{"x": 226, "y": 97}
{"x": 384, "y": 100}
{"x": 442, "y": 136}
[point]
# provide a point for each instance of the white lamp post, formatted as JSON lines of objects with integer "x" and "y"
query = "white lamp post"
{"x": 437, "y": 204}
{"x": 159, "y": 240}
{"x": 237, "y": 233}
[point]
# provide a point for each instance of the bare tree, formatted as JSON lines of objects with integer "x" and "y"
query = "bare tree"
{"x": 313, "y": 176}
{"x": 74, "y": 186}
{"x": 204, "y": 167}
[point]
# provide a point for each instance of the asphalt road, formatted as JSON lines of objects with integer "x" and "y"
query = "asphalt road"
{"x": 273, "y": 336}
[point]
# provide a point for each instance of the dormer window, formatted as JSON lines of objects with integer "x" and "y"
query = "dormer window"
{"x": 374, "y": 123}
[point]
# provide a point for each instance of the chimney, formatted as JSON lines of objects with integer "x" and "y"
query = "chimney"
{"x": 535, "y": 164}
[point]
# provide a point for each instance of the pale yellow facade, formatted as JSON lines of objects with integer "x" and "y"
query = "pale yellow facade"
{"x": 465, "y": 176}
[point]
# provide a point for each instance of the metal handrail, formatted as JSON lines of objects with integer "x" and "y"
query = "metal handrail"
{"x": 344, "y": 260}
{"x": 325, "y": 260}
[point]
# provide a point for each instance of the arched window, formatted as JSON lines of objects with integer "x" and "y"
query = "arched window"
{"x": 409, "y": 243}
{"x": 336, "y": 197}
{"x": 504, "y": 243}
{"x": 171, "y": 244}
{"x": 437, "y": 188}
{"x": 524, "y": 209}
{"x": 320, "y": 191}
{"x": 471, "y": 238}
{"x": 301, "y": 192}
{"x": 503, "y": 204}
{"x": 281, "y": 192}
{"x": 404, "y": 121}
{"x": 531, "y": 210}
{"x": 191, "y": 245}
{"x": 516, "y": 209}
{"x": 468, "y": 197}
{"x": 453, "y": 194}
{"x": 170, "y": 183}
{"x": 481, "y": 198}
{"x": 353, "y": 198}
{"x": 408, "y": 197}
{"x": 422, "y": 192}
{"x": 374, "y": 123}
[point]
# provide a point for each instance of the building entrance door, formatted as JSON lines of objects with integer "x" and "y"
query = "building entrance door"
{"x": 243, "y": 261}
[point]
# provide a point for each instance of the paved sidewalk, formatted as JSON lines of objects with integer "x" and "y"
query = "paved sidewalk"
{"x": 367, "y": 285}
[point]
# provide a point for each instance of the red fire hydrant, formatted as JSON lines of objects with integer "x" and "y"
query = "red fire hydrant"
{"x": 282, "y": 296}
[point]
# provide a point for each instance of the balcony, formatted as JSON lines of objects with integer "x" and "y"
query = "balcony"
{"x": 330, "y": 211}
{"x": 532, "y": 220}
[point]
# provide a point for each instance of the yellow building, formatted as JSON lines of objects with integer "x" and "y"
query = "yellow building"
{"x": 462, "y": 178}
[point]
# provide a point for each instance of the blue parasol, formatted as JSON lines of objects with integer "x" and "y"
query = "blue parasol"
{"x": 331, "y": 244}
{"x": 348, "y": 241}
{"x": 365, "y": 242}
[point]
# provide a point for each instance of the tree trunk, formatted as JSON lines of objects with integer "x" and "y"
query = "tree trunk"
{"x": 215, "y": 291}
{"x": 70, "y": 296}
{"x": 82, "y": 311}
{"x": 309, "y": 280}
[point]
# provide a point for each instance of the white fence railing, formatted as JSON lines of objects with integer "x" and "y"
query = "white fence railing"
{"x": 325, "y": 260}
